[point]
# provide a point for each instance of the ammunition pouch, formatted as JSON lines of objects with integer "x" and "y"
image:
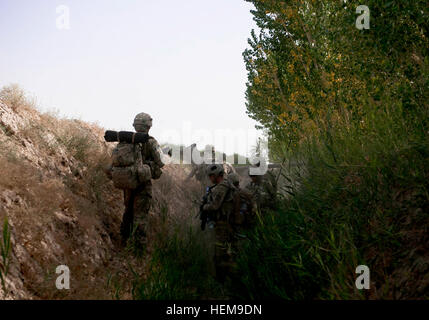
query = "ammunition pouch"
{"x": 144, "y": 173}
{"x": 125, "y": 177}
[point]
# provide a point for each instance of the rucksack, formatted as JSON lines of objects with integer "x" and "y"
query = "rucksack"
{"x": 128, "y": 170}
{"x": 245, "y": 211}
{"x": 241, "y": 205}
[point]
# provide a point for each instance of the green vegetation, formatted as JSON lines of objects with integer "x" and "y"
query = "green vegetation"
{"x": 179, "y": 269}
{"x": 338, "y": 217}
{"x": 349, "y": 107}
{"x": 78, "y": 144}
{"x": 5, "y": 249}
{"x": 349, "y": 110}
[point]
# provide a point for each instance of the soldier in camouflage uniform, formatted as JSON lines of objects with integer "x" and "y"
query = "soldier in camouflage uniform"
{"x": 234, "y": 179}
{"x": 263, "y": 189}
{"x": 245, "y": 218}
{"x": 220, "y": 205}
{"x": 248, "y": 205}
{"x": 138, "y": 201}
{"x": 199, "y": 171}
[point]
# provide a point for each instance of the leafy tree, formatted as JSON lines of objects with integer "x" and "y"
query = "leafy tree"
{"x": 309, "y": 65}
{"x": 350, "y": 109}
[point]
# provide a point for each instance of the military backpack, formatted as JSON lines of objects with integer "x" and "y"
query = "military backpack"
{"x": 128, "y": 169}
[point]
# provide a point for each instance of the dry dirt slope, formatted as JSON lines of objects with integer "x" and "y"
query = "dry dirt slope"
{"x": 61, "y": 208}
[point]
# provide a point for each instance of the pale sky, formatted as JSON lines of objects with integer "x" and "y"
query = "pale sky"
{"x": 179, "y": 61}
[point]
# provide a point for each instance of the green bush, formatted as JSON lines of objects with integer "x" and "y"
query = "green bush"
{"x": 350, "y": 108}
{"x": 344, "y": 209}
{"x": 5, "y": 249}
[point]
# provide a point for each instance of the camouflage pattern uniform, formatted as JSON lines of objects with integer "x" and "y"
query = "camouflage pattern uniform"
{"x": 199, "y": 171}
{"x": 138, "y": 201}
{"x": 220, "y": 204}
{"x": 264, "y": 191}
{"x": 245, "y": 218}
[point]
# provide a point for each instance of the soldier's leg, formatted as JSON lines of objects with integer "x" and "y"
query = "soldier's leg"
{"x": 127, "y": 218}
{"x": 237, "y": 246}
{"x": 210, "y": 238}
{"x": 222, "y": 251}
{"x": 142, "y": 205}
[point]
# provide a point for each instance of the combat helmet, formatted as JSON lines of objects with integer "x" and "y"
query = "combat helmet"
{"x": 215, "y": 169}
{"x": 142, "y": 122}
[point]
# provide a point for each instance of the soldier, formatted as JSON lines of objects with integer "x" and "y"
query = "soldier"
{"x": 245, "y": 218}
{"x": 199, "y": 171}
{"x": 138, "y": 200}
{"x": 227, "y": 167}
{"x": 234, "y": 179}
{"x": 248, "y": 205}
{"x": 263, "y": 189}
{"x": 221, "y": 206}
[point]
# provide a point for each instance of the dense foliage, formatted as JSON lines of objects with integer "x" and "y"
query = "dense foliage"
{"x": 349, "y": 109}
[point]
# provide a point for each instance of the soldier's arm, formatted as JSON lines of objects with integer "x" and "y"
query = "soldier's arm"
{"x": 154, "y": 149}
{"x": 218, "y": 195}
{"x": 156, "y": 153}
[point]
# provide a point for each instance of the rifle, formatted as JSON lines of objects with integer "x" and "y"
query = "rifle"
{"x": 203, "y": 214}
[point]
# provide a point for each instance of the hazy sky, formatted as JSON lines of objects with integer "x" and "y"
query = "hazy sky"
{"x": 180, "y": 61}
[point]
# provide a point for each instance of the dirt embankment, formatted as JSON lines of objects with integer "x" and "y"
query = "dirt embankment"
{"x": 62, "y": 209}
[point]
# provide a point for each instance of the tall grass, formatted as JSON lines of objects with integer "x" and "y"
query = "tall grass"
{"x": 353, "y": 188}
{"x": 357, "y": 194}
{"x": 5, "y": 249}
{"x": 179, "y": 268}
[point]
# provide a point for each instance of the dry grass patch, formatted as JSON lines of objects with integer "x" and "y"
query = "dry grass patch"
{"x": 16, "y": 98}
